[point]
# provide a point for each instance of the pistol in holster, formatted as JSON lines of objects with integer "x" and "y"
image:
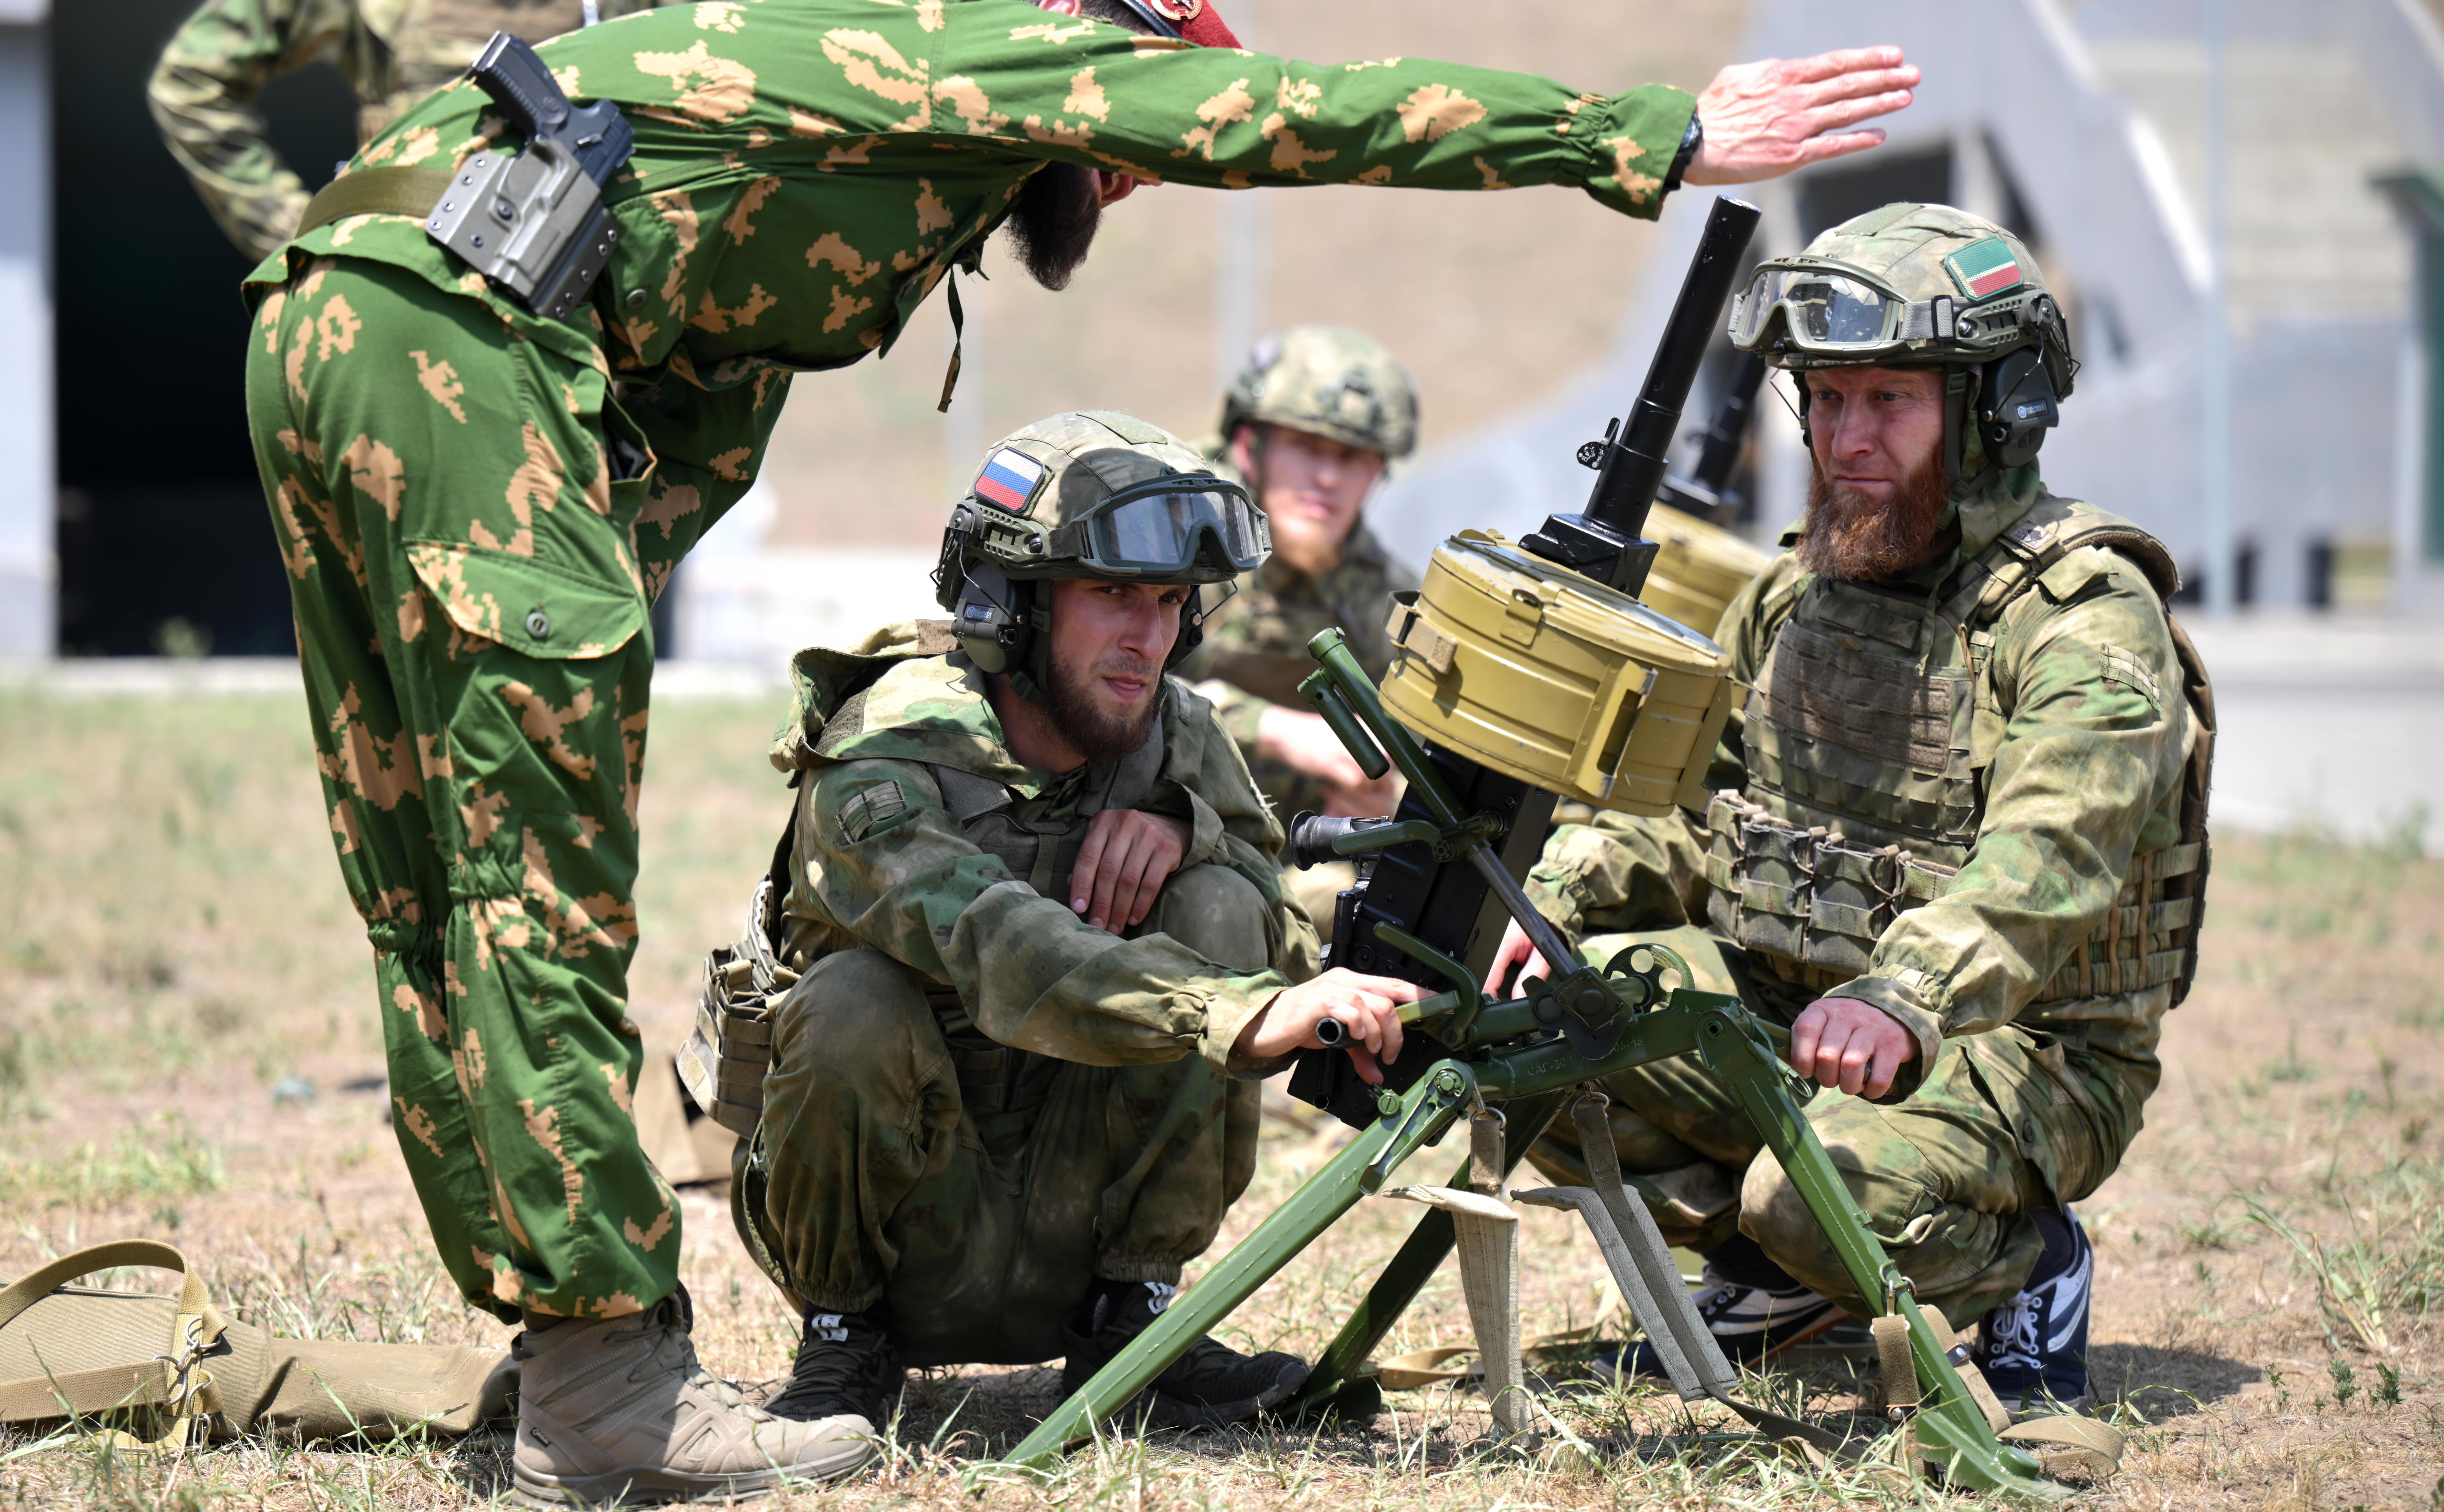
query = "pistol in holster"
{"x": 533, "y": 222}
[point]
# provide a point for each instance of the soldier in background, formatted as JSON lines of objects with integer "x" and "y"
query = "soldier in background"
{"x": 206, "y": 89}
{"x": 1310, "y": 426}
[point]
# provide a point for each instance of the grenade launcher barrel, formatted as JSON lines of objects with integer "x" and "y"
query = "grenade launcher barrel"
{"x": 1603, "y": 540}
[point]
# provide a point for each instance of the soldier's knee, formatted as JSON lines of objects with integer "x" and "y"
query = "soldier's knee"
{"x": 851, "y": 1014}
{"x": 1774, "y": 1214}
{"x": 1216, "y": 913}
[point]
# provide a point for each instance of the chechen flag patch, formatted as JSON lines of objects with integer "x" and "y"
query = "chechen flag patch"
{"x": 1985, "y": 267}
{"x": 1010, "y": 479}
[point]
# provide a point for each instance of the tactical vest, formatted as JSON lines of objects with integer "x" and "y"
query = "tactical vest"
{"x": 1868, "y": 736}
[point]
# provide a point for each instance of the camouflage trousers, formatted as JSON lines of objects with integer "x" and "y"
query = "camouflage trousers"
{"x": 980, "y": 1189}
{"x": 2004, "y": 1123}
{"x": 471, "y": 626}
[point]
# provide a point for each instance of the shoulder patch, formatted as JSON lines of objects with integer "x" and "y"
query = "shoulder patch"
{"x": 872, "y": 810}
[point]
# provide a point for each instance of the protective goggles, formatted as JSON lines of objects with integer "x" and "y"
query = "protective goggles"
{"x": 1822, "y": 310}
{"x": 1198, "y": 529}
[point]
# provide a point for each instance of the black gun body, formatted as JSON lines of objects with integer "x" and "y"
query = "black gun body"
{"x": 1450, "y": 907}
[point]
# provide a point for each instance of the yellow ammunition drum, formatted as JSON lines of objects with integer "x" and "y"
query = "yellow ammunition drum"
{"x": 1537, "y": 671}
{"x": 1699, "y": 569}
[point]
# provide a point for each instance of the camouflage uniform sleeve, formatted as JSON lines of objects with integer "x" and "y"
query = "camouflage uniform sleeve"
{"x": 885, "y": 862}
{"x": 1081, "y": 92}
{"x": 2090, "y": 749}
{"x": 1621, "y": 872}
{"x": 204, "y": 92}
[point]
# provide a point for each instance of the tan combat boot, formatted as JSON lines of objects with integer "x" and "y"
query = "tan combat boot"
{"x": 619, "y": 1411}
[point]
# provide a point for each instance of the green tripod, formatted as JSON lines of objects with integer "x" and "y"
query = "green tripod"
{"x": 1522, "y": 1056}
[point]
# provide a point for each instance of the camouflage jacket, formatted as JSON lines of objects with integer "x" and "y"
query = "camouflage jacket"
{"x": 2080, "y": 761}
{"x": 806, "y": 172}
{"x": 882, "y": 861}
{"x": 1255, "y": 648}
{"x": 392, "y": 53}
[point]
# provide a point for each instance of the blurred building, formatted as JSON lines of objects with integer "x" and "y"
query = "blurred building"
{"x": 2082, "y": 126}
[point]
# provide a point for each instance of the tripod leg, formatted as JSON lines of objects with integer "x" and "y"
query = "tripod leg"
{"x": 1948, "y": 1424}
{"x": 1356, "y": 1171}
{"x": 1411, "y": 1266}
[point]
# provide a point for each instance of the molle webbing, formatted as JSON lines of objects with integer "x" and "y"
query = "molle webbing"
{"x": 1814, "y": 905}
{"x": 1809, "y": 897}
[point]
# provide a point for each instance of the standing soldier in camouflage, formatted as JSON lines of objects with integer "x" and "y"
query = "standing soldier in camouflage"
{"x": 477, "y": 504}
{"x": 1040, "y": 946}
{"x": 392, "y": 53}
{"x": 1310, "y": 426}
{"x": 1959, "y": 844}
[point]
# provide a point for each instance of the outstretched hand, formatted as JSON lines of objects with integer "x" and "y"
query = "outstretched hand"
{"x": 1367, "y": 1006}
{"x": 1762, "y": 120}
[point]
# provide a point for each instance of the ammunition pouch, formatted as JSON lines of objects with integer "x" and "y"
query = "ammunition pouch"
{"x": 1808, "y": 898}
{"x": 1813, "y": 905}
{"x": 730, "y": 1049}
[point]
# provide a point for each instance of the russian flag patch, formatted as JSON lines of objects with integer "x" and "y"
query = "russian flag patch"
{"x": 1010, "y": 479}
{"x": 1985, "y": 267}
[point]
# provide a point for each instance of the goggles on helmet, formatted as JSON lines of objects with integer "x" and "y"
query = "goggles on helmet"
{"x": 1192, "y": 528}
{"x": 1833, "y": 311}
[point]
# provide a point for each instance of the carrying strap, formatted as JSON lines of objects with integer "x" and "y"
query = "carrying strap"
{"x": 171, "y": 1379}
{"x": 382, "y": 191}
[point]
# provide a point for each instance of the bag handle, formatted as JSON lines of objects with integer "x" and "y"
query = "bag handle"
{"x": 176, "y": 1374}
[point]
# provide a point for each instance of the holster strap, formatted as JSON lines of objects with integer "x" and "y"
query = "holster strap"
{"x": 379, "y": 191}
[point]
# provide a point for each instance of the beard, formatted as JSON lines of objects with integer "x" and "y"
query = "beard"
{"x": 1852, "y": 538}
{"x": 1102, "y": 737}
{"x": 1052, "y": 223}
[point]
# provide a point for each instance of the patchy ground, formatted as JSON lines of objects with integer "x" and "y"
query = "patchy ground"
{"x": 180, "y": 966}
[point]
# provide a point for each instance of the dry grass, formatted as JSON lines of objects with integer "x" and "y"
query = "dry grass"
{"x": 174, "y": 946}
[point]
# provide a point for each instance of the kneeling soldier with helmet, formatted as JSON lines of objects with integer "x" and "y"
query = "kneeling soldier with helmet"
{"x": 1957, "y": 842}
{"x": 1030, "y": 903}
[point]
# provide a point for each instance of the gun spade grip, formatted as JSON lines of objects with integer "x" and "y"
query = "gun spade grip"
{"x": 515, "y": 76}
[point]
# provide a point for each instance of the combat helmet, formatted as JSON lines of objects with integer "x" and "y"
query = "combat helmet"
{"x": 1093, "y": 493}
{"x": 1328, "y": 380}
{"x": 1923, "y": 285}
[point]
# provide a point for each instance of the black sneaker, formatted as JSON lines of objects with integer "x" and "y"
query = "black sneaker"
{"x": 1752, "y": 1324}
{"x": 1210, "y": 1385}
{"x": 2034, "y": 1347}
{"x": 848, "y": 1362}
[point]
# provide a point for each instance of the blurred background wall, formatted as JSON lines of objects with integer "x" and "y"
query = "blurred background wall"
{"x": 130, "y": 524}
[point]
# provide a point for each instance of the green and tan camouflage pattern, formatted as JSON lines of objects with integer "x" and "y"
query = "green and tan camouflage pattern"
{"x": 1328, "y": 380}
{"x": 882, "y": 862}
{"x": 1255, "y": 652}
{"x": 805, "y": 174}
{"x": 2060, "y": 761}
{"x": 2002, "y": 1123}
{"x": 470, "y": 592}
{"x": 902, "y": 1158}
{"x": 1903, "y": 244}
{"x": 206, "y": 90}
{"x": 1088, "y": 456}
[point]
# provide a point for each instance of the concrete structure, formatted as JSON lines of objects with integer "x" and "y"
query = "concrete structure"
{"x": 28, "y": 476}
{"x": 2081, "y": 126}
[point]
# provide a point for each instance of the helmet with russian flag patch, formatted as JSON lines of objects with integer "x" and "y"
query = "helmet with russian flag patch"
{"x": 1093, "y": 493}
{"x": 1923, "y": 285}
